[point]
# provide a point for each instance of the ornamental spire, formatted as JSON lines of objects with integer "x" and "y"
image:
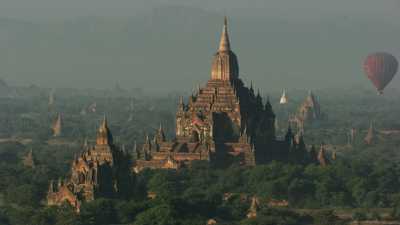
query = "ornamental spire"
{"x": 224, "y": 44}
{"x": 104, "y": 136}
{"x": 225, "y": 65}
{"x": 104, "y": 122}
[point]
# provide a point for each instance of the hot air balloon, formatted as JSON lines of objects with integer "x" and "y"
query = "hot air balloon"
{"x": 380, "y": 68}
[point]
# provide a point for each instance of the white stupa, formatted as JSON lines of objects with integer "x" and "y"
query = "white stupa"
{"x": 284, "y": 98}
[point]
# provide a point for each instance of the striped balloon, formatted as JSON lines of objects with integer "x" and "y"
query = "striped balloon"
{"x": 380, "y": 68}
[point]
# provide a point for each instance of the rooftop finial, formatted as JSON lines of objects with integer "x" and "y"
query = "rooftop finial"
{"x": 104, "y": 122}
{"x": 224, "y": 44}
{"x": 104, "y": 135}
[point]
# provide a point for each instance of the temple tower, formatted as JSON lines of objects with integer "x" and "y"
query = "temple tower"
{"x": 104, "y": 136}
{"x": 225, "y": 65}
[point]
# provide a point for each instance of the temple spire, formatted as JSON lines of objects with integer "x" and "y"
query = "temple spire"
{"x": 57, "y": 126}
{"x": 225, "y": 65}
{"x": 104, "y": 122}
{"x": 104, "y": 136}
{"x": 224, "y": 44}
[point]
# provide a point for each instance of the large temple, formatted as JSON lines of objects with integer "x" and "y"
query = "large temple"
{"x": 223, "y": 122}
{"x": 101, "y": 170}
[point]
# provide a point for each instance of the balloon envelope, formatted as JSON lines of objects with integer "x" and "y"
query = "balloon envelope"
{"x": 380, "y": 68}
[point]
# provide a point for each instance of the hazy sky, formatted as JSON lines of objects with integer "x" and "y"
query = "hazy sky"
{"x": 295, "y": 8}
{"x": 168, "y": 44}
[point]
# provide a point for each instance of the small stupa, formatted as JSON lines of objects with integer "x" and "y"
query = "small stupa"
{"x": 284, "y": 99}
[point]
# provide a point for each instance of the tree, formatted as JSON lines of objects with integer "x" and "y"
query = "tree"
{"x": 327, "y": 217}
{"x": 25, "y": 194}
{"x": 3, "y": 217}
{"x": 359, "y": 216}
{"x": 271, "y": 216}
{"x": 165, "y": 184}
{"x": 98, "y": 212}
{"x": 127, "y": 211}
{"x": 300, "y": 191}
{"x": 46, "y": 216}
{"x": 159, "y": 215}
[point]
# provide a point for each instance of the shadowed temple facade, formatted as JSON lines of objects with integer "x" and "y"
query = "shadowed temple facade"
{"x": 223, "y": 122}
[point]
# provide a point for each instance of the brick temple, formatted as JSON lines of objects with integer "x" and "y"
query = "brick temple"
{"x": 224, "y": 121}
{"x": 101, "y": 170}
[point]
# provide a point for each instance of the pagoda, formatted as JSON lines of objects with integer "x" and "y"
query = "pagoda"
{"x": 223, "y": 122}
{"x": 102, "y": 170}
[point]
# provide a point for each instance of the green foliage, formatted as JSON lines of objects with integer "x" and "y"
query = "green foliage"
{"x": 194, "y": 194}
{"x": 234, "y": 209}
{"x": 127, "y": 211}
{"x": 270, "y": 216}
{"x": 359, "y": 215}
{"x": 375, "y": 216}
{"x": 23, "y": 195}
{"x": 159, "y": 215}
{"x": 165, "y": 184}
{"x": 98, "y": 212}
{"x": 396, "y": 210}
{"x": 301, "y": 192}
{"x": 3, "y": 216}
{"x": 20, "y": 215}
{"x": 327, "y": 217}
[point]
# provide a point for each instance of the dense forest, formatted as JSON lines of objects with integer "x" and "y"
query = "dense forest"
{"x": 364, "y": 180}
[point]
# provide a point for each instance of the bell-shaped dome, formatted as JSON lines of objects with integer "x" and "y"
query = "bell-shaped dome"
{"x": 225, "y": 64}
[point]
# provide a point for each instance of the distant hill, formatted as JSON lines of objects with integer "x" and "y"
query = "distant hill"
{"x": 3, "y": 84}
{"x": 4, "y": 89}
{"x": 170, "y": 48}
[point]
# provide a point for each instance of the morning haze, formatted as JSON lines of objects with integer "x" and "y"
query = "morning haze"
{"x": 166, "y": 45}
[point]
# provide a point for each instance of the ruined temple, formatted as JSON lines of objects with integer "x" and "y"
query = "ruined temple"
{"x": 224, "y": 121}
{"x": 310, "y": 109}
{"x": 370, "y": 137}
{"x": 101, "y": 170}
{"x": 254, "y": 208}
{"x": 308, "y": 112}
{"x": 29, "y": 160}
